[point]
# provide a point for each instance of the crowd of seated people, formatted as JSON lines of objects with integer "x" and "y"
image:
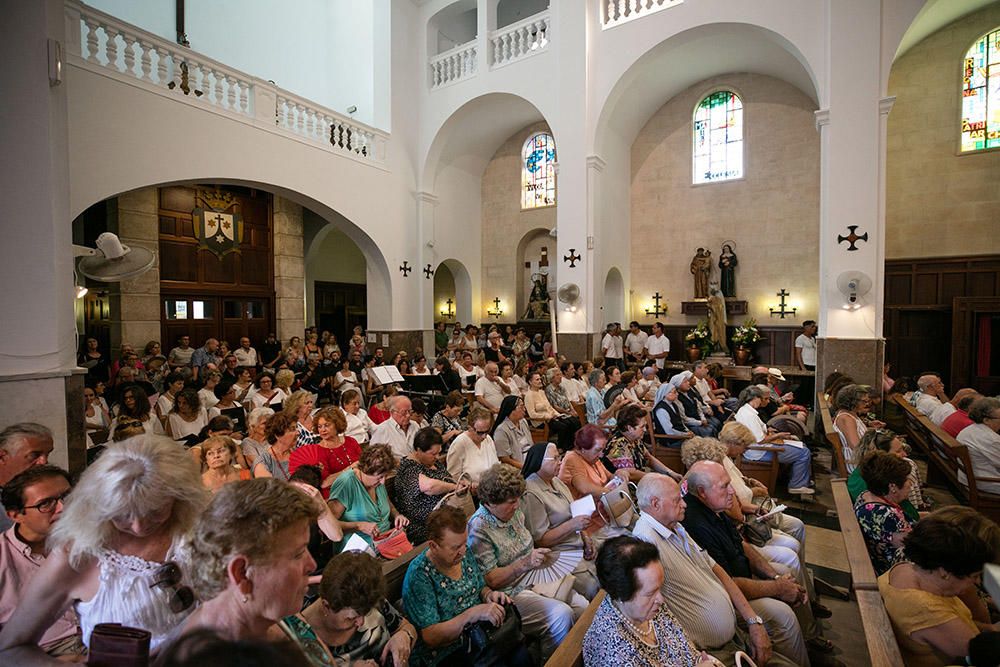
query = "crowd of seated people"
{"x": 229, "y": 498}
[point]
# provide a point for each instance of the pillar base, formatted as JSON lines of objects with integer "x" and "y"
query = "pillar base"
{"x": 579, "y": 347}
{"x": 861, "y": 359}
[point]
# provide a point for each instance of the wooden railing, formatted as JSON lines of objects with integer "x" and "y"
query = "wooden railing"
{"x": 570, "y": 651}
{"x": 823, "y": 412}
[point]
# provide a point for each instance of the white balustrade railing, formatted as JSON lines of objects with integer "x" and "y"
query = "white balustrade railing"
{"x": 454, "y": 64}
{"x": 521, "y": 39}
{"x": 617, "y": 12}
{"x": 123, "y": 51}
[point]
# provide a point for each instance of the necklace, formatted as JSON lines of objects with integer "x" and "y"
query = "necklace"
{"x": 644, "y": 634}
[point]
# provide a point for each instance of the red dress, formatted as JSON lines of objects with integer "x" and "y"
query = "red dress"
{"x": 330, "y": 460}
{"x": 377, "y": 414}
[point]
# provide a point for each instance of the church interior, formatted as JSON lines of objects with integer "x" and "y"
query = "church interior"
{"x": 793, "y": 198}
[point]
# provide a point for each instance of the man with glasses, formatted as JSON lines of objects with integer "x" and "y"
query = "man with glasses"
{"x": 397, "y": 431}
{"x": 21, "y": 446}
{"x": 34, "y": 501}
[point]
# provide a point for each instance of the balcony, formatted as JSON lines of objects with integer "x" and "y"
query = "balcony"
{"x": 617, "y": 12}
{"x": 110, "y": 47}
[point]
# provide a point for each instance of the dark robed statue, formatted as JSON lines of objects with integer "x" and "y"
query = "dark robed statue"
{"x": 727, "y": 270}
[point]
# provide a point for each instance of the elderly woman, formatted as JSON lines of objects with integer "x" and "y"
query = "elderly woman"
{"x": 931, "y": 596}
{"x": 582, "y": 471}
{"x": 422, "y": 480}
{"x": 633, "y": 625}
{"x": 627, "y": 451}
{"x": 266, "y": 395}
{"x": 444, "y": 591}
{"x": 112, "y": 549}
{"x": 668, "y": 414}
{"x": 352, "y": 619}
{"x": 562, "y": 426}
{"x": 886, "y": 441}
{"x": 255, "y": 441}
{"x": 507, "y": 375}
{"x": 555, "y": 391}
{"x": 473, "y": 452}
{"x": 187, "y": 417}
{"x": 359, "y": 426}
{"x": 697, "y": 415}
{"x": 504, "y": 548}
{"x": 511, "y": 434}
{"x": 217, "y": 456}
{"x": 359, "y": 500}
{"x": 300, "y": 405}
{"x": 333, "y": 454}
{"x": 792, "y": 452}
{"x": 852, "y": 402}
{"x": 248, "y": 559}
{"x": 547, "y": 514}
{"x": 883, "y": 522}
{"x": 280, "y": 432}
{"x": 597, "y": 412}
{"x": 448, "y": 420}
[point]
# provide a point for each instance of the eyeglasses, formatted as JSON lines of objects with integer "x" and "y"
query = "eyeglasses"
{"x": 168, "y": 576}
{"x": 486, "y": 432}
{"x": 403, "y": 412}
{"x": 48, "y": 505}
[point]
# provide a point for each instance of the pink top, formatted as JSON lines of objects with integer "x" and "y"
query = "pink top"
{"x": 17, "y": 566}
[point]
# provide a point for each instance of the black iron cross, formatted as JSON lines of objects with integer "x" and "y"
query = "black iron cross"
{"x": 853, "y": 237}
{"x": 572, "y": 258}
{"x": 656, "y": 311}
{"x": 496, "y": 312}
{"x": 405, "y": 269}
{"x": 781, "y": 312}
{"x": 449, "y": 312}
{"x": 427, "y": 272}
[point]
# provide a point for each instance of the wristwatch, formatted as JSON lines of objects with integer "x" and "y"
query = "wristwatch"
{"x": 755, "y": 620}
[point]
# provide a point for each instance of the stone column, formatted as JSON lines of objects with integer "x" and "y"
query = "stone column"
{"x": 289, "y": 271}
{"x": 137, "y": 306}
{"x": 852, "y": 185}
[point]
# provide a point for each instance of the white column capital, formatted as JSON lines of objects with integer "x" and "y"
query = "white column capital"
{"x": 596, "y": 162}
{"x": 885, "y": 104}
{"x": 822, "y": 117}
{"x": 425, "y": 197}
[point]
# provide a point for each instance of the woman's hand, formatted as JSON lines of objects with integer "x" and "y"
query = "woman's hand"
{"x": 366, "y": 527}
{"x": 622, "y": 474}
{"x": 488, "y": 611}
{"x": 581, "y": 522}
{"x": 498, "y": 597}
{"x": 534, "y": 559}
{"x": 399, "y": 647}
{"x": 401, "y": 522}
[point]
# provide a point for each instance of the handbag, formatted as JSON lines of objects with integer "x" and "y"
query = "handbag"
{"x": 616, "y": 506}
{"x": 392, "y": 544}
{"x": 460, "y": 499}
{"x": 116, "y": 645}
{"x": 485, "y": 644}
{"x": 758, "y": 533}
{"x": 743, "y": 660}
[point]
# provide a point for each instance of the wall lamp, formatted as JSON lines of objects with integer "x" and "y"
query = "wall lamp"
{"x": 781, "y": 311}
{"x": 496, "y": 312}
{"x": 656, "y": 310}
{"x": 448, "y": 312}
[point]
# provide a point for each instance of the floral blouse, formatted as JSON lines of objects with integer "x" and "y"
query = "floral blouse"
{"x": 444, "y": 424}
{"x": 611, "y": 640}
{"x": 623, "y": 453}
{"x": 498, "y": 544}
{"x": 413, "y": 503}
{"x": 879, "y": 522}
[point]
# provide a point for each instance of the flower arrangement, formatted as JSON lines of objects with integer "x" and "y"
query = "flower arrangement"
{"x": 700, "y": 337}
{"x": 746, "y": 334}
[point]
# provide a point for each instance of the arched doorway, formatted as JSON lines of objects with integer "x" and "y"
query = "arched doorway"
{"x": 534, "y": 253}
{"x": 453, "y": 283}
{"x": 613, "y": 306}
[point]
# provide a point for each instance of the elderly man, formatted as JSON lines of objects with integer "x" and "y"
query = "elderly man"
{"x": 21, "y": 446}
{"x": 246, "y": 355}
{"x": 929, "y": 394}
{"x": 33, "y": 499}
{"x": 720, "y": 400}
{"x": 494, "y": 348}
{"x": 792, "y": 452}
{"x": 204, "y": 355}
{"x": 490, "y": 389}
{"x": 397, "y": 431}
{"x": 772, "y": 589}
{"x": 698, "y": 591}
{"x": 982, "y": 438}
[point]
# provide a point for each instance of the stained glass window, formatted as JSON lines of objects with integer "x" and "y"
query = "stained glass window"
{"x": 538, "y": 171}
{"x": 981, "y": 94}
{"x": 718, "y": 138}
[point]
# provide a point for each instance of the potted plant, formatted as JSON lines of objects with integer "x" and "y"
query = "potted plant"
{"x": 744, "y": 338}
{"x": 699, "y": 342}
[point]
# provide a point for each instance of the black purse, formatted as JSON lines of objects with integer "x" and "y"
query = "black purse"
{"x": 755, "y": 531}
{"x": 486, "y": 645}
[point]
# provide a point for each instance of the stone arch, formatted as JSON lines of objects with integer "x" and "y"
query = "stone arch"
{"x": 613, "y": 305}
{"x": 462, "y": 282}
{"x": 532, "y": 238}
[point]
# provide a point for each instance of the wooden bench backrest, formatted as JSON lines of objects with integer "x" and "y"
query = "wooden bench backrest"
{"x": 570, "y": 651}
{"x": 862, "y": 572}
{"x": 395, "y": 570}
{"x": 823, "y": 410}
{"x": 882, "y": 646}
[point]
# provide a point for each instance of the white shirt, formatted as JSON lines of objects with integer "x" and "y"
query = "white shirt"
{"x": 246, "y": 357}
{"x": 747, "y": 415}
{"x": 705, "y": 389}
{"x": 462, "y": 374}
{"x": 942, "y": 412}
{"x": 359, "y": 426}
{"x": 636, "y": 343}
{"x": 464, "y": 457}
{"x": 984, "y": 452}
{"x": 575, "y": 389}
{"x": 208, "y": 399}
{"x": 490, "y": 391}
{"x": 390, "y": 433}
{"x": 414, "y": 371}
{"x": 612, "y": 346}
{"x": 927, "y": 404}
{"x": 656, "y": 345}
{"x": 808, "y": 347}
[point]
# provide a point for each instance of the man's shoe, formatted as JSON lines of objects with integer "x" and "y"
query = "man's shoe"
{"x": 801, "y": 490}
{"x": 820, "y": 610}
{"x": 819, "y": 645}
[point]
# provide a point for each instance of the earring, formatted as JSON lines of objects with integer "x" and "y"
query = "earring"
{"x": 246, "y": 598}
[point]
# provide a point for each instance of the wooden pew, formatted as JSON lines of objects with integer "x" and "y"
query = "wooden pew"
{"x": 395, "y": 570}
{"x": 823, "y": 410}
{"x": 667, "y": 448}
{"x": 570, "y": 651}
{"x": 947, "y": 460}
{"x": 765, "y": 472}
{"x": 879, "y": 638}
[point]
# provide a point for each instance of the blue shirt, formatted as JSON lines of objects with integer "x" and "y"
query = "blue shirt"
{"x": 595, "y": 406}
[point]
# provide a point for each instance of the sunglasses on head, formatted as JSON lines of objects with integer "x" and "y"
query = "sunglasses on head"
{"x": 168, "y": 577}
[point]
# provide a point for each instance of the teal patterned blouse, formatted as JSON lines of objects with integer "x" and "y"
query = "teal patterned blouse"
{"x": 498, "y": 544}
{"x": 431, "y": 597}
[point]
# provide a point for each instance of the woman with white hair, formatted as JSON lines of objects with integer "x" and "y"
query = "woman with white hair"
{"x": 113, "y": 549}
{"x": 255, "y": 442}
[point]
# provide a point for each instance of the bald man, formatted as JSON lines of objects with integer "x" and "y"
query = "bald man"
{"x": 929, "y": 394}
{"x": 397, "y": 431}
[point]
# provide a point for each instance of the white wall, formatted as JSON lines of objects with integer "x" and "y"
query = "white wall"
{"x": 323, "y": 50}
{"x": 336, "y": 259}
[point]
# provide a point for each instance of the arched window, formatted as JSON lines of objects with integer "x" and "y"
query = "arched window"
{"x": 538, "y": 171}
{"x": 718, "y": 138}
{"x": 981, "y": 94}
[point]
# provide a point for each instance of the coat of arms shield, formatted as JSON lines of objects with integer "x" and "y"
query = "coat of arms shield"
{"x": 218, "y": 228}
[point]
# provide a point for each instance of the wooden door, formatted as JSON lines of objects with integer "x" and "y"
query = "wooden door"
{"x": 920, "y": 341}
{"x": 97, "y": 320}
{"x": 975, "y": 350}
{"x": 339, "y": 308}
